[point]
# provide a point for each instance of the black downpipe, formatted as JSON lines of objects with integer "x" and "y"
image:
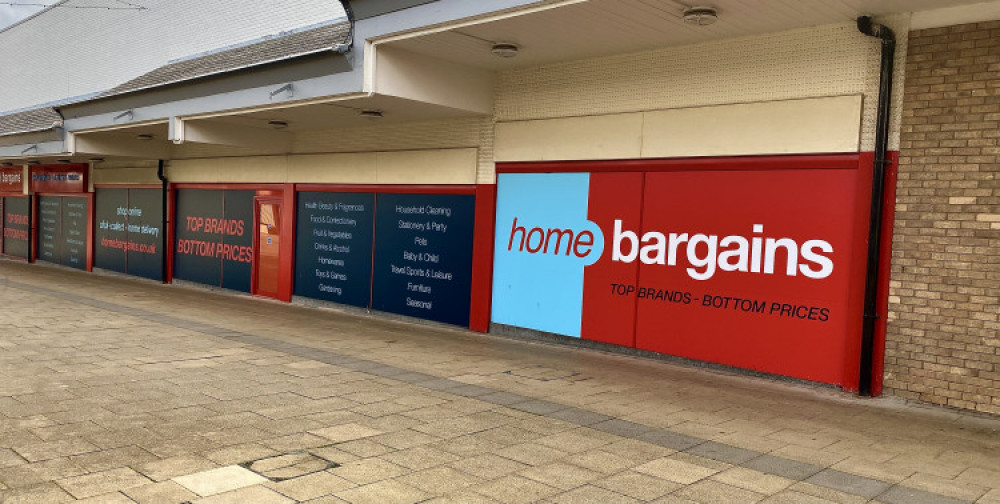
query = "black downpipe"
{"x": 163, "y": 230}
{"x": 888, "y": 39}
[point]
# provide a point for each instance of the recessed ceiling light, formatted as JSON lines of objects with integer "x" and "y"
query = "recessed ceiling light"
{"x": 701, "y": 15}
{"x": 371, "y": 114}
{"x": 144, "y": 136}
{"x": 504, "y": 50}
{"x": 277, "y": 124}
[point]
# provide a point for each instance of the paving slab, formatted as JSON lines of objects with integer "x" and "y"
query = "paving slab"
{"x": 222, "y": 479}
{"x": 849, "y": 483}
{"x": 158, "y": 493}
{"x": 102, "y": 482}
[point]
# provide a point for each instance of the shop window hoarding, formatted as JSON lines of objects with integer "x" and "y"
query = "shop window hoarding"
{"x": 747, "y": 268}
{"x": 214, "y": 241}
{"x": 129, "y": 231}
{"x": 409, "y": 254}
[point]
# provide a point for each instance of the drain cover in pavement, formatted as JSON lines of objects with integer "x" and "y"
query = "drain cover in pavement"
{"x": 289, "y": 465}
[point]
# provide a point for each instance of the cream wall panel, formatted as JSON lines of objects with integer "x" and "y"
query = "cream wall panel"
{"x": 468, "y": 132}
{"x": 820, "y": 61}
{"x": 439, "y": 166}
{"x": 262, "y": 169}
{"x": 332, "y": 168}
{"x": 616, "y": 136}
{"x": 133, "y": 176}
{"x": 784, "y": 127}
{"x": 453, "y": 166}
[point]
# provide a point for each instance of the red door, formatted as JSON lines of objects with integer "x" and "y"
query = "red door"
{"x": 267, "y": 240}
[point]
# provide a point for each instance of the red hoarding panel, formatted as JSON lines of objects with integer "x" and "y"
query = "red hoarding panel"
{"x": 763, "y": 262}
{"x": 609, "y": 302}
{"x": 727, "y": 261}
{"x": 69, "y": 178}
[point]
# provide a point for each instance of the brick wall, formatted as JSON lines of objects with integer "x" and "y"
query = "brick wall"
{"x": 944, "y": 326}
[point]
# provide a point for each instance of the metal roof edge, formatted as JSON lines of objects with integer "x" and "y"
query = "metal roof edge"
{"x": 33, "y": 16}
{"x": 337, "y": 49}
{"x": 265, "y": 38}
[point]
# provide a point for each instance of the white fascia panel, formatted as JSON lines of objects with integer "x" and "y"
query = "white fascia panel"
{"x": 25, "y": 151}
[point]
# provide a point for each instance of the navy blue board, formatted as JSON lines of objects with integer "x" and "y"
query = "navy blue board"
{"x": 110, "y": 233}
{"x": 333, "y": 247}
{"x": 423, "y": 256}
{"x": 73, "y": 241}
{"x": 49, "y": 220}
{"x": 196, "y": 242}
{"x": 16, "y": 212}
{"x": 237, "y": 240}
{"x": 145, "y": 254}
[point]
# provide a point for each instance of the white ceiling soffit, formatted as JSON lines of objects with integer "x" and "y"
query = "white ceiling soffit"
{"x": 605, "y": 27}
{"x": 340, "y": 114}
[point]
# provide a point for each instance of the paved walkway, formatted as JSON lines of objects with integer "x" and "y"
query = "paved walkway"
{"x": 116, "y": 390}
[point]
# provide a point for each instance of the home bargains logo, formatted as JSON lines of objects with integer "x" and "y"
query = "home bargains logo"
{"x": 705, "y": 254}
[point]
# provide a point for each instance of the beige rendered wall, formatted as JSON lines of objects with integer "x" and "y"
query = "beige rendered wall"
{"x": 943, "y": 342}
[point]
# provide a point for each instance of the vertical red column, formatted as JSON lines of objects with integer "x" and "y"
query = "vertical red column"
{"x": 858, "y": 265}
{"x": 90, "y": 231}
{"x": 482, "y": 257}
{"x": 286, "y": 252}
{"x": 884, "y": 274}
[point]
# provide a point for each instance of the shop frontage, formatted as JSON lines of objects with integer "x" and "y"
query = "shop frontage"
{"x": 15, "y": 209}
{"x": 63, "y": 215}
